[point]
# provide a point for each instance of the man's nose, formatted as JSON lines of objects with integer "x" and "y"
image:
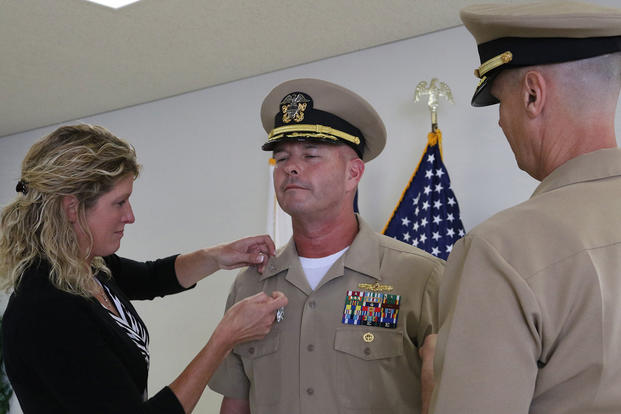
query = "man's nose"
{"x": 291, "y": 167}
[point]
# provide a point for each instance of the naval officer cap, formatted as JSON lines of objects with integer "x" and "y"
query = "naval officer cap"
{"x": 319, "y": 111}
{"x": 511, "y": 36}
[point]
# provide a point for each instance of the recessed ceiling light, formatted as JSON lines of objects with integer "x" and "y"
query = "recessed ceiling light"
{"x": 115, "y": 4}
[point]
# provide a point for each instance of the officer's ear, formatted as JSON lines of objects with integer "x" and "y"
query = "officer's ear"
{"x": 534, "y": 93}
{"x": 355, "y": 169}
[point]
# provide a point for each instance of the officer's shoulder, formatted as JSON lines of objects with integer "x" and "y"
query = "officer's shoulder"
{"x": 393, "y": 246}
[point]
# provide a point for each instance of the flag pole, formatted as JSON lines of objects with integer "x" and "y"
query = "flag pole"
{"x": 427, "y": 215}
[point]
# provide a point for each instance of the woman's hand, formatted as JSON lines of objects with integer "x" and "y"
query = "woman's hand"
{"x": 251, "y": 318}
{"x": 249, "y": 251}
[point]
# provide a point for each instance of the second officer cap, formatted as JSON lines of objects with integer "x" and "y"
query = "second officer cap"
{"x": 320, "y": 111}
{"x": 510, "y": 36}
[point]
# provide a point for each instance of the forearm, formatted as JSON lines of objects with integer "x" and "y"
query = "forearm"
{"x": 426, "y": 387}
{"x": 249, "y": 251}
{"x": 427, "y": 353}
{"x": 192, "y": 267}
{"x": 233, "y": 406}
{"x": 191, "y": 383}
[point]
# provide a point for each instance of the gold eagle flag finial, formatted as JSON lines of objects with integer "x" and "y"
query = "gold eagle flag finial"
{"x": 435, "y": 90}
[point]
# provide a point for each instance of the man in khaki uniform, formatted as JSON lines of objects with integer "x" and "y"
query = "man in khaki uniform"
{"x": 360, "y": 304}
{"x": 530, "y": 303}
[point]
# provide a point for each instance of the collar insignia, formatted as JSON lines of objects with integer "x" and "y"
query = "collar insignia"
{"x": 293, "y": 107}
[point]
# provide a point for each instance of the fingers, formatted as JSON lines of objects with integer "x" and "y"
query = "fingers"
{"x": 280, "y": 300}
{"x": 429, "y": 346}
{"x": 257, "y": 297}
{"x": 252, "y": 251}
{"x": 253, "y": 317}
{"x": 277, "y": 300}
{"x": 262, "y": 243}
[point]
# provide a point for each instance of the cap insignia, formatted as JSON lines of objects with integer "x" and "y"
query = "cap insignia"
{"x": 293, "y": 107}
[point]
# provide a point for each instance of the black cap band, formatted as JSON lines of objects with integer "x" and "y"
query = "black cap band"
{"x": 537, "y": 51}
{"x": 541, "y": 51}
{"x": 298, "y": 120}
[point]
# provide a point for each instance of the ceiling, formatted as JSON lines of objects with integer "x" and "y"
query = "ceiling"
{"x": 67, "y": 59}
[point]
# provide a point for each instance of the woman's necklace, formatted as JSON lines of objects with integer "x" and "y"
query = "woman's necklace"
{"x": 102, "y": 295}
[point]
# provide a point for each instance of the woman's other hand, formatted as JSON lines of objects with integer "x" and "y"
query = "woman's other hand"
{"x": 251, "y": 318}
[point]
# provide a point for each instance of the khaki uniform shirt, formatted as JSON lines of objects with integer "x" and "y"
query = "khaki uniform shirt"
{"x": 530, "y": 304}
{"x": 313, "y": 363}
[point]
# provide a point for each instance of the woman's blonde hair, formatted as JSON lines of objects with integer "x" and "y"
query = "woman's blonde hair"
{"x": 82, "y": 161}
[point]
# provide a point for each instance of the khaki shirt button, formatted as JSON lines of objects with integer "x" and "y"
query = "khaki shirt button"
{"x": 310, "y": 391}
{"x": 311, "y": 304}
{"x": 367, "y": 351}
{"x": 251, "y": 350}
{"x": 310, "y": 347}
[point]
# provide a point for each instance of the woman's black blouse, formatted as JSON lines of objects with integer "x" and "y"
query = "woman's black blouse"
{"x": 65, "y": 354}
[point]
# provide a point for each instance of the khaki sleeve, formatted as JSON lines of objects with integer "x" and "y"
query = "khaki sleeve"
{"x": 230, "y": 380}
{"x": 428, "y": 322}
{"x": 488, "y": 344}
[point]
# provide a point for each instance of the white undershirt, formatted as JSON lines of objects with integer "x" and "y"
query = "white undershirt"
{"x": 315, "y": 268}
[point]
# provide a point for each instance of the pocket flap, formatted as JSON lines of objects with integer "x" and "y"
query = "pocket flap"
{"x": 369, "y": 344}
{"x": 257, "y": 349}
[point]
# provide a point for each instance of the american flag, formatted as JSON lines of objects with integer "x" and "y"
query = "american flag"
{"x": 427, "y": 216}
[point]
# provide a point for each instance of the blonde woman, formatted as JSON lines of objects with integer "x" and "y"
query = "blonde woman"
{"x": 73, "y": 342}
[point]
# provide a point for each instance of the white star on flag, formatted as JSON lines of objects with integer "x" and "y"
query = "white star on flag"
{"x": 433, "y": 229}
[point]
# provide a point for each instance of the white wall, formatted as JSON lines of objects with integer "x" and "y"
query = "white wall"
{"x": 205, "y": 178}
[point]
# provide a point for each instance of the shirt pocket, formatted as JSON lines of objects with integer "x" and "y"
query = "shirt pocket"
{"x": 369, "y": 365}
{"x": 257, "y": 349}
{"x": 259, "y": 359}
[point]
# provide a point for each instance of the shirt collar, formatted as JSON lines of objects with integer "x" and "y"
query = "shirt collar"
{"x": 363, "y": 255}
{"x": 586, "y": 167}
